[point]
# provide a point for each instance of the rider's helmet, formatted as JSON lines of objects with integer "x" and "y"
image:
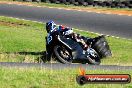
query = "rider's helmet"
{"x": 50, "y": 26}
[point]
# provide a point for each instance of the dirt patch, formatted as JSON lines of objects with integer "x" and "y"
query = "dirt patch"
{"x": 12, "y": 24}
{"x": 105, "y": 11}
{"x": 87, "y": 9}
{"x": 16, "y": 57}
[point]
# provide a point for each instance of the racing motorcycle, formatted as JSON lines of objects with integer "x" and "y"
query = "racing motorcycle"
{"x": 69, "y": 51}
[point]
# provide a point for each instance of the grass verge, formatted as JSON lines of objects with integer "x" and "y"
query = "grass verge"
{"x": 24, "y": 41}
{"x": 45, "y": 78}
{"x": 21, "y": 40}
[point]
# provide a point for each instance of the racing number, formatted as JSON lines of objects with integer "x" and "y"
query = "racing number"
{"x": 49, "y": 39}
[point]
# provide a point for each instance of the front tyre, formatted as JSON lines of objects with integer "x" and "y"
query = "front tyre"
{"x": 62, "y": 54}
{"x": 93, "y": 57}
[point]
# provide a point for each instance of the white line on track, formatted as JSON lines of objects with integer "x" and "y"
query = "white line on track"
{"x": 89, "y": 11}
{"x": 39, "y": 6}
{"x": 108, "y": 13}
{"x": 59, "y": 8}
{"x": 120, "y": 14}
{"x": 129, "y": 15}
{"x": 79, "y": 10}
{"x": 67, "y": 9}
{"x": 98, "y": 12}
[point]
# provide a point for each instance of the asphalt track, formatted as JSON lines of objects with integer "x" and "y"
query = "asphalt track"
{"x": 105, "y": 24}
{"x": 115, "y": 25}
{"x": 59, "y": 66}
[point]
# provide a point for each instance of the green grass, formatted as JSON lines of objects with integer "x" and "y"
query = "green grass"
{"x": 20, "y": 36}
{"x": 16, "y": 39}
{"x": 45, "y": 78}
{"x": 29, "y": 37}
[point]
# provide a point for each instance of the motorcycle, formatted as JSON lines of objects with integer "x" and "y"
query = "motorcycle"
{"x": 66, "y": 50}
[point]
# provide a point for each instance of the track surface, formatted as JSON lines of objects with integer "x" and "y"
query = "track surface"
{"x": 120, "y": 26}
{"x": 58, "y": 66}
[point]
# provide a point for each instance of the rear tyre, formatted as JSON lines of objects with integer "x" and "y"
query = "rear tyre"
{"x": 63, "y": 54}
{"x": 52, "y": 1}
{"x": 85, "y": 3}
{"x": 100, "y": 44}
{"x": 67, "y": 3}
{"x": 57, "y": 2}
{"x": 72, "y": 1}
{"x": 76, "y": 3}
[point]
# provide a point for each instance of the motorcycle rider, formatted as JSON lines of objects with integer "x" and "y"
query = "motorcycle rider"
{"x": 68, "y": 32}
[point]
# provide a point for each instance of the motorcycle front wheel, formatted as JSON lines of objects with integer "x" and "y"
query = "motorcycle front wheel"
{"x": 62, "y": 54}
{"x": 93, "y": 57}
